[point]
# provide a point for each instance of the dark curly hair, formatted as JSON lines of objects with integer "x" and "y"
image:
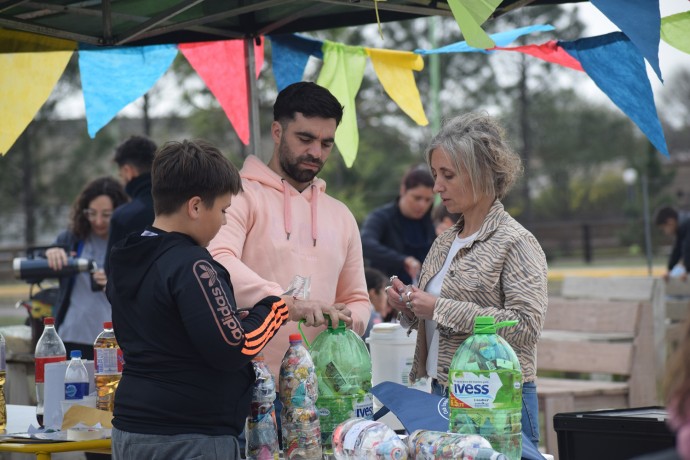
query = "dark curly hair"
{"x": 79, "y": 223}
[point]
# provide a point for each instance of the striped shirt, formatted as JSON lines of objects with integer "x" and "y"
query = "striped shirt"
{"x": 501, "y": 274}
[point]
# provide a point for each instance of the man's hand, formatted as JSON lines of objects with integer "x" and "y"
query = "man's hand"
{"x": 312, "y": 311}
{"x": 412, "y": 267}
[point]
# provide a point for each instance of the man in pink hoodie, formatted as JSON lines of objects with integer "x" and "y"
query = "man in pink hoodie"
{"x": 284, "y": 224}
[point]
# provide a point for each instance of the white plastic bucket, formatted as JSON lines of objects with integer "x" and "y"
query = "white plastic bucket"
{"x": 391, "y": 351}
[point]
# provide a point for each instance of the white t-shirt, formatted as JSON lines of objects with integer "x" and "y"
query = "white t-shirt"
{"x": 434, "y": 287}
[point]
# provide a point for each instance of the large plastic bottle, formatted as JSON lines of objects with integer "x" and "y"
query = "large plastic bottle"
{"x": 3, "y": 376}
{"x": 260, "y": 430}
{"x": 423, "y": 444}
{"x": 76, "y": 377}
{"x": 361, "y": 439}
{"x": 107, "y": 366}
{"x": 343, "y": 370}
{"x": 298, "y": 393}
{"x": 49, "y": 349}
{"x": 485, "y": 388}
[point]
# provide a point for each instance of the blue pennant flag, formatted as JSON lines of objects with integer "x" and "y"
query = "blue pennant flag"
{"x": 290, "y": 54}
{"x": 618, "y": 69}
{"x": 501, "y": 39}
{"x": 111, "y": 78}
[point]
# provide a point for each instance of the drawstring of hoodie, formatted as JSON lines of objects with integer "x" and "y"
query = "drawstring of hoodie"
{"x": 314, "y": 227}
{"x": 287, "y": 211}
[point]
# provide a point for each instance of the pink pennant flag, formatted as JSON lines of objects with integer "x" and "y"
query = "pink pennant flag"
{"x": 222, "y": 65}
{"x": 549, "y": 52}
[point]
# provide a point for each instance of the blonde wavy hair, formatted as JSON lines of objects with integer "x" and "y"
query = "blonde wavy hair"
{"x": 475, "y": 143}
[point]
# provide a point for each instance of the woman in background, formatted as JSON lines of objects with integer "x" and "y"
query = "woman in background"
{"x": 82, "y": 306}
{"x": 397, "y": 236}
{"x": 486, "y": 264}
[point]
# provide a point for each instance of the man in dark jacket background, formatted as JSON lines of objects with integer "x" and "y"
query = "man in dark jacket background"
{"x": 133, "y": 158}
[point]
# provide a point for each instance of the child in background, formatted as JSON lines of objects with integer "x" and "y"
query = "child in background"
{"x": 380, "y": 312}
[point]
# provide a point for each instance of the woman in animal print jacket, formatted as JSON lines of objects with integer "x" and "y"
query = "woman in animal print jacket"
{"x": 487, "y": 264}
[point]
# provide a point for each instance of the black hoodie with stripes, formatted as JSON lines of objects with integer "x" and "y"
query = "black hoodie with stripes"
{"x": 187, "y": 352}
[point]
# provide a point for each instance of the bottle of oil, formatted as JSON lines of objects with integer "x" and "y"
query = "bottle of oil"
{"x": 108, "y": 362}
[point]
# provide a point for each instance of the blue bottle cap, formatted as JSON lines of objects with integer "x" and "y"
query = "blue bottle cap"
{"x": 75, "y": 354}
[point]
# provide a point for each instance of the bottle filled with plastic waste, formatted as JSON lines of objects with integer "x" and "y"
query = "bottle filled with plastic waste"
{"x": 424, "y": 444}
{"x": 76, "y": 377}
{"x": 298, "y": 392}
{"x": 343, "y": 370}
{"x": 107, "y": 366}
{"x": 49, "y": 349}
{"x": 260, "y": 428}
{"x": 362, "y": 439}
{"x": 485, "y": 388}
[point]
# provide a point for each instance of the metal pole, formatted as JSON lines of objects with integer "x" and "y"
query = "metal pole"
{"x": 252, "y": 97}
{"x": 647, "y": 228}
{"x": 434, "y": 77}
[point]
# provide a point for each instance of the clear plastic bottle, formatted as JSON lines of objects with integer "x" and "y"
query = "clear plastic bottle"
{"x": 49, "y": 349}
{"x": 298, "y": 393}
{"x": 261, "y": 430}
{"x": 423, "y": 444}
{"x": 485, "y": 388}
{"x": 361, "y": 439}
{"x": 76, "y": 377}
{"x": 107, "y": 366}
{"x": 3, "y": 376}
{"x": 343, "y": 370}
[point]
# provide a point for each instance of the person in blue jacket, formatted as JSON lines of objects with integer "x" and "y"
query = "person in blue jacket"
{"x": 396, "y": 237}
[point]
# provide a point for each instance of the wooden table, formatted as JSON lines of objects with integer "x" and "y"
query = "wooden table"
{"x": 18, "y": 420}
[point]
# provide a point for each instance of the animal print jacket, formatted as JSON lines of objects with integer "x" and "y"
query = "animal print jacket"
{"x": 501, "y": 274}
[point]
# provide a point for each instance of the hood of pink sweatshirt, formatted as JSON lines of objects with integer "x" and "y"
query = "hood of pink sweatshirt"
{"x": 274, "y": 232}
{"x": 254, "y": 169}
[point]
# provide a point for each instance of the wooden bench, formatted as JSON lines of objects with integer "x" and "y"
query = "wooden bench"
{"x": 594, "y": 337}
{"x": 677, "y": 309}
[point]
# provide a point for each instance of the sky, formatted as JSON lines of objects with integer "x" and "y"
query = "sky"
{"x": 596, "y": 23}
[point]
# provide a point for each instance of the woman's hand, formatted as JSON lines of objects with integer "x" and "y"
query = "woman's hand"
{"x": 421, "y": 303}
{"x": 394, "y": 294}
{"x": 57, "y": 258}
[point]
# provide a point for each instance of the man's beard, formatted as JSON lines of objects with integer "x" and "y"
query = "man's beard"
{"x": 291, "y": 165}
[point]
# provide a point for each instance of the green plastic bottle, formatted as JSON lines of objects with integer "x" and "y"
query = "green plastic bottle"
{"x": 343, "y": 370}
{"x": 485, "y": 389}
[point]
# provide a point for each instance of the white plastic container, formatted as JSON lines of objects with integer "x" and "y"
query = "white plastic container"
{"x": 391, "y": 353}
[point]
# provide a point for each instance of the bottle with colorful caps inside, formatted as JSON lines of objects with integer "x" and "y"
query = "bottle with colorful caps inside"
{"x": 485, "y": 389}
{"x": 260, "y": 428}
{"x": 298, "y": 392}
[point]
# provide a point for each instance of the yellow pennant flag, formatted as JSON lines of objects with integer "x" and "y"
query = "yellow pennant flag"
{"x": 470, "y": 15}
{"x": 342, "y": 73}
{"x": 675, "y": 30}
{"x": 394, "y": 69}
{"x": 31, "y": 66}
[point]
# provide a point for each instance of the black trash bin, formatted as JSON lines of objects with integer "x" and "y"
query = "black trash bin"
{"x": 619, "y": 434}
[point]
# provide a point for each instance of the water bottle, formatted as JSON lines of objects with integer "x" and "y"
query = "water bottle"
{"x": 3, "y": 376}
{"x": 260, "y": 428}
{"x": 76, "y": 377}
{"x": 485, "y": 388}
{"x": 298, "y": 393}
{"x": 343, "y": 370}
{"x": 108, "y": 362}
{"x": 49, "y": 349}
{"x": 423, "y": 444}
{"x": 362, "y": 439}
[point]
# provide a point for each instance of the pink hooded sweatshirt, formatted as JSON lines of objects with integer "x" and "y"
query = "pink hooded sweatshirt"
{"x": 274, "y": 232}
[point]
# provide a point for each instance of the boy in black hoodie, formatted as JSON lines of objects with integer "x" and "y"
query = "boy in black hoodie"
{"x": 185, "y": 387}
